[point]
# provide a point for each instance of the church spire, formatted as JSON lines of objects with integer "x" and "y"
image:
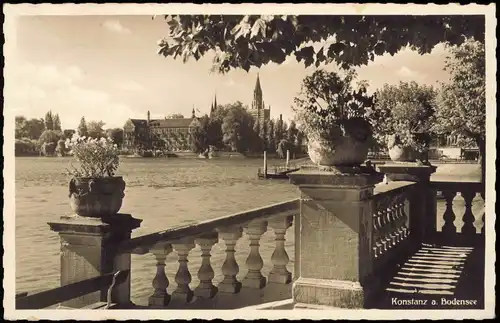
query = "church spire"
{"x": 193, "y": 113}
{"x": 257, "y": 103}
{"x": 215, "y": 101}
{"x": 257, "y": 89}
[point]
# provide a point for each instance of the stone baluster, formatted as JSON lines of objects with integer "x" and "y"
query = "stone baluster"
{"x": 377, "y": 225}
{"x": 449, "y": 215}
{"x": 206, "y": 289}
{"x": 183, "y": 277}
{"x": 230, "y": 267}
{"x": 254, "y": 278}
{"x": 468, "y": 218}
{"x": 385, "y": 224}
{"x": 393, "y": 215}
{"x": 160, "y": 297}
{"x": 279, "y": 273}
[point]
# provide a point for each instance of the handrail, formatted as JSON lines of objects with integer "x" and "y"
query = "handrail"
{"x": 65, "y": 293}
{"x": 393, "y": 187}
{"x": 457, "y": 185}
{"x": 141, "y": 245}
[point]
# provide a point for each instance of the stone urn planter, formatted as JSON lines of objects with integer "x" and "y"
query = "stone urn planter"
{"x": 398, "y": 152}
{"x": 96, "y": 197}
{"x": 348, "y": 145}
{"x": 345, "y": 151}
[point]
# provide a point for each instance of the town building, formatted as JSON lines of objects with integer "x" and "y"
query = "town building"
{"x": 150, "y": 133}
{"x": 173, "y": 134}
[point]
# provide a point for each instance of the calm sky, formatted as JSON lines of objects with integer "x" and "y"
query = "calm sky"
{"x": 106, "y": 68}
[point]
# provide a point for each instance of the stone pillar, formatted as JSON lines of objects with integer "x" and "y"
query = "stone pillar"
{"x": 335, "y": 237}
{"x": 89, "y": 249}
{"x": 422, "y": 198}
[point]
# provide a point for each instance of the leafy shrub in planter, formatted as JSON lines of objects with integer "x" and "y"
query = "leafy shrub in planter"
{"x": 331, "y": 113}
{"x": 402, "y": 116}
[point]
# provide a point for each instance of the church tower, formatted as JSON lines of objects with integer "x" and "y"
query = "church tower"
{"x": 214, "y": 106}
{"x": 258, "y": 110}
{"x": 257, "y": 103}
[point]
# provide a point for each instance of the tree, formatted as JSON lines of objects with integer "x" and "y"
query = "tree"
{"x": 68, "y": 133}
{"x": 25, "y": 147}
{"x": 237, "y": 127}
{"x": 95, "y": 129}
{"x": 31, "y": 128}
{"x": 50, "y": 136}
{"x": 292, "y": 132}
{"x": 263, "y": 136}
{"x": 35, "y": 128}
{"x": 57, "y": 122}
{"x": 61, "y": 148}
{"x": 461, "y": 107}
{"x": 82, "y": 128}
{"x": 271, "y": 144}
{"x": 199, "y": 134}
{"x": 278, "y": 131}
{"x": 21, "y": 130}
{"x": 175, "y": 116}
{"x": 48, "y": 148}
{"x": 49, "y": 121}
{"x": 405, "y": 111}
{"x": 299, "y": 138}
{"x": 256, "y": 143}
{"x": 116, "y": 134}
{"x": 215, "y": 135}
{"x": 252, "y": 40}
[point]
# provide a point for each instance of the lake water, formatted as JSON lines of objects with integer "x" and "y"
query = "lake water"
{"x": 164, "y": 193}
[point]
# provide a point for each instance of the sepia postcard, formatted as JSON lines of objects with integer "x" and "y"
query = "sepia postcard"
{"x": 249, "y": 161}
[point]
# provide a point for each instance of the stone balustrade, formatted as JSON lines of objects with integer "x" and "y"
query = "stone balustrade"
{"x": 227, "y": 231}
{"x": 350, "y": 230}
{"x": 391, "y": 225}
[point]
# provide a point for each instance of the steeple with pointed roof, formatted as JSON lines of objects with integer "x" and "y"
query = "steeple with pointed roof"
{"x": 257, "y": 103}
{"x": 214, "y": 106}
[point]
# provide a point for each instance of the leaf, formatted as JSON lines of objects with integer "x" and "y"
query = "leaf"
{"x": 259, "y": 27}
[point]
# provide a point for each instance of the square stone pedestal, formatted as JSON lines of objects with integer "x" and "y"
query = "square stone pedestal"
{"x": 411, "y": 172}
{"x": 89, "y": 249}
{"x": 334, "y": 238}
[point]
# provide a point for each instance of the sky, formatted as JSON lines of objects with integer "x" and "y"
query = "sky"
{"x": 107, "y": 68}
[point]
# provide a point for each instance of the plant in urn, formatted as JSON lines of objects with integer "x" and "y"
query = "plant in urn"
{"x": 331, "y": 113}
{"x": 402, "y": 117}
{"x": 94, "y": 190}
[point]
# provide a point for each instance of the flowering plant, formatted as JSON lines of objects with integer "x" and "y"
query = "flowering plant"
{"x": 96, "y": 157}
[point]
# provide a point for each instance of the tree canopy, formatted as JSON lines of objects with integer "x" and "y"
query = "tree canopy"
{"x": 243, "y": 41}
{"x": 462, "y": 100}
{"x": 461, "y": 107}
{"x": 406, "y": 111}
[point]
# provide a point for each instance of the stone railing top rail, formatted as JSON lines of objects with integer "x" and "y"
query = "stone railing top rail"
{"x": 382, "y": 187}
{"x": 142, "y": 244}
{"x": 458, "y": 184}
